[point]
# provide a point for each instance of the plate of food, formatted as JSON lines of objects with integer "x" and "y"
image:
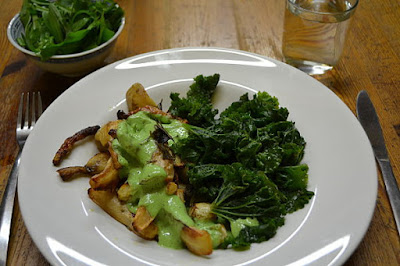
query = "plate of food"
{"x": 194, "y": 156}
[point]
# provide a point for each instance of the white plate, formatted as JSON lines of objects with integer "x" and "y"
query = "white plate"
{"x": 70, "y": 229}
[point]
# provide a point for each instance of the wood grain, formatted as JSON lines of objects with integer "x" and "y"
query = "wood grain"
{"x": 371, "y": 61}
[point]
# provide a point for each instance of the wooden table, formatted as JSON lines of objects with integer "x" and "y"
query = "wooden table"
{"x": 371, "y": 62}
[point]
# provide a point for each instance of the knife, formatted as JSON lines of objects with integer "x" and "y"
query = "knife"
{"x": 369, "y": 120}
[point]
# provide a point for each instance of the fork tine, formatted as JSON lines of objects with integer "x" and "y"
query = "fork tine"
{"x": 26, "y": 116}
{"x": 33, "y": 114}
{"x": 39, "y": 101}
{"x": 20, "y": 107}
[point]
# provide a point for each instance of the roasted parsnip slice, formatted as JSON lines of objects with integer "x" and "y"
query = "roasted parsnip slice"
{"x": 142, "y": 219}
{"x": 148, "y": 233}
{"x": 68, "y": 173}
{"x": 222, "y": 234}
{"x": 124, "y": 192}
{"x": 114, "y": 156}
{"x": 202, "y": 211}
{"x": 197, "y": 241}
{"x": 181, "y": 194}
{"x": 68, "y": 144}
{"x": 97, "y": 163}
{"x": 106, "y": 180}
{"x": 171, "y": 188}
{"x": 109, "y": 202}
{"x": 103, "y": 136}
{"x": 137, "y": 97}
{"x": 167, "y": 164}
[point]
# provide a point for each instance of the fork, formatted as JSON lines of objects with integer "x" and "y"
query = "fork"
{"x": 26, "y": 120}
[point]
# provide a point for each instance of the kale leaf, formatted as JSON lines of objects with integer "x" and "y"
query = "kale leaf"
{"x": 254, "y": 234}
{"x": 196, "y": 107}
{"x": 246, "y": 163}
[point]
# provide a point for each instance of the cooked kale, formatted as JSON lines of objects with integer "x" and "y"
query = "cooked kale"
{"x": 246, "y": 163}
{"x": 196, "y": 107}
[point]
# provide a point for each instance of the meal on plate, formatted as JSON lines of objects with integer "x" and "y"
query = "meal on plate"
{"x": 188, "y": 179}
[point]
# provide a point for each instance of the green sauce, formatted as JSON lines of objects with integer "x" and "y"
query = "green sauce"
{"x": 239, "y": 224}
{"x": 171, "y": 215}
{"x": 216, "y": 231}
{"x": 172, "y": 204}
{"x": 135, "y": 147}
{"x": 169, "y": 231}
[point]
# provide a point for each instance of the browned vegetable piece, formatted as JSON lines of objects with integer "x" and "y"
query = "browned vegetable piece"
{"x": 106, "y": 180}
{"x": 95, "y": 165}
{"x": 69, "y": 172}
{"x": 150, "y": 109}
{"x": 155, "y": 110}
{"x": 109, "y": 202}
{"x": 124, "y": 192}
{"x": 168, "y": 165}
{"x": 67, "y": 146}
{"x": 121, "y": 115}
{"x": 171, "y": 188}
{"x": 143, "y": 224}
{"x": 142, "y": 219}
{"x": 103, "y": 136}
{"x": 180, "y": 192}
{"x": 202, "y": 211}
{"x": 178, "y": 162}
{"x": 137, "y": 96}
{"x": 197, "y": 241}
{"x": 114, "y": 156}
{"x": 113, "y": 133}
{"x": 223, "y": 234}
{"x": 149, "y": 233}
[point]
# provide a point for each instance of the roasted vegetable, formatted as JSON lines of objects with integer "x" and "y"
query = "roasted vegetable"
{"x": 197, "y": 241}
{"x": 67, "y": 146}
{"x": 137, "y": 97}
{"x": 142, "y": 219}
{"x": 110, "y": 203}
{"x": 68, "y": 173}
{"x": 103, "y": 135}
{"x": 202, "y": 211}
{"x": 107, "y": 179}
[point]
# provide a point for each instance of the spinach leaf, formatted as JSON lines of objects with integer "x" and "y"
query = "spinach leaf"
{"x": 67, "y": 26}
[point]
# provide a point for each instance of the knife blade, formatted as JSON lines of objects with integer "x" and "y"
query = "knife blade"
{"x": 370, "y": 122}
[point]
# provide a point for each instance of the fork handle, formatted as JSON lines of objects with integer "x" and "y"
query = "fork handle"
{"x": 6, "y": 210}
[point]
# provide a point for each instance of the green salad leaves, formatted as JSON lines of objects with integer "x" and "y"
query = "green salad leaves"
{"x": 67, "y": 26}
{"x": 246, "y": 163}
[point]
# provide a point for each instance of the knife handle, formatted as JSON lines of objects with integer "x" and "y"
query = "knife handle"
{"x": 392, "y": 190}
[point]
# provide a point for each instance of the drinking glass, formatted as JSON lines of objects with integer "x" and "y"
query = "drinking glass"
{"x": 315, "y": 33}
